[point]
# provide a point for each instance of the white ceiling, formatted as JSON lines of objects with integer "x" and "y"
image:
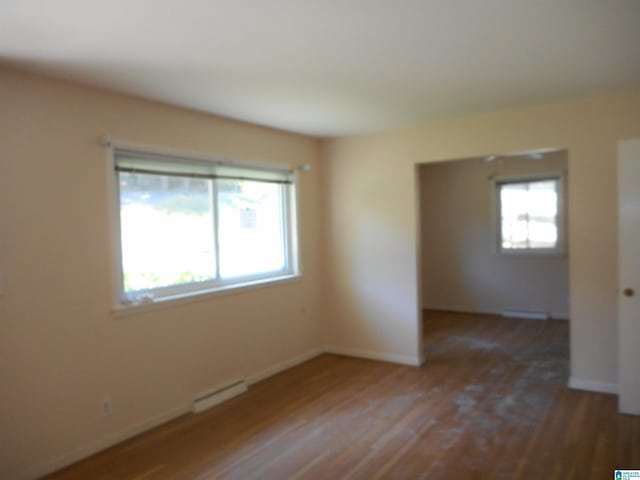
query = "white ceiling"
{"x": 332, "y": 67}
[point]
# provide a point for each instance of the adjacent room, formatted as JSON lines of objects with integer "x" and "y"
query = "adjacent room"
{"x": 495, "y": 285}
{"x": 493, "y": 233}
{"x": 304, "y": 240}
{"x": 493, "y": 237}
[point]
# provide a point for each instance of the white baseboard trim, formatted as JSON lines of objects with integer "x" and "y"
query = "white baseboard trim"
{"x": 526, "y": 314}
{"x": 482, "y": 311}
{"x": 462, "y": 309}
{"x": 593, "y": 386}
{"x": 92, "y": 448}
{"x": 282, "y": 366}
{"x": 383, "y": 357}
{"x": 97, "y": 446}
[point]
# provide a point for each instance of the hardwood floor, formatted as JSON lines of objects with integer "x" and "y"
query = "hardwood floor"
{"x": 491, "y": 402}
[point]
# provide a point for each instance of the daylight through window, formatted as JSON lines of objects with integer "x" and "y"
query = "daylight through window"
{"x": 529, "y": 213}
{"x": 194, "y": 225}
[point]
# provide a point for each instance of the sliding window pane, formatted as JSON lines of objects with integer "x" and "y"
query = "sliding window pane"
{"x": 166, "y": 225}
{"x": 251, "y": 229}
{"x": 514, "y": 202}
{"x": 543, "y": 211}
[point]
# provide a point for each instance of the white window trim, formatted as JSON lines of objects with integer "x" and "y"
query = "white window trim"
{"x": 180, "y": 295}
{"x": 122, "y": 310}
{"x": 560, "y": 250}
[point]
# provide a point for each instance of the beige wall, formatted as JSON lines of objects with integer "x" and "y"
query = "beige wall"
{"x": 461, "y": 270}
{"x": 372, "y": 231}
{"x": 371, "y": 249}
{"x": 61, "y": 349}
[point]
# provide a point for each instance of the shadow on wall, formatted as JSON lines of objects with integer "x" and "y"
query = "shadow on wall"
{"x": 376, "y": 296}
{"x": 462, "y": 267}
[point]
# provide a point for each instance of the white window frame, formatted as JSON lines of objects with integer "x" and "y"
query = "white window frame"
{"x": 156, "y": 297}
{"x": 560, "y": 178}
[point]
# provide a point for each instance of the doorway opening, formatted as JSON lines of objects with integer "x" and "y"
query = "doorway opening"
{"x": 494, "y": 244}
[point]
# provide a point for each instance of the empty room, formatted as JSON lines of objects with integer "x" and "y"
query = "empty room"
{"x": 310, "y": 240}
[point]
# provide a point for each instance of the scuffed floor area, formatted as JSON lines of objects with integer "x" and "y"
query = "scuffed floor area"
{"x": 490, "y": 403}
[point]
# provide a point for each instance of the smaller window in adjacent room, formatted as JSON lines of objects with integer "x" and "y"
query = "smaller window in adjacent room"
{"x": 530, "y": 215}
{"x": 187, "y": 226}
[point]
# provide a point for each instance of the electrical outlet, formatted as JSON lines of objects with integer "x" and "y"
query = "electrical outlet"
{"x": 105, "y": 407}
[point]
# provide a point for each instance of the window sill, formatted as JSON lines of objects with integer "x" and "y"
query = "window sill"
{"x": 202, "y": 295}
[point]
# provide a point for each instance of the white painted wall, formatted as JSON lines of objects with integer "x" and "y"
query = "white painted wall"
{"x": 371, "y": 270}
{"x": 61, "y": 348}
{"x": 372, "y": 233}
{"x": 461, "y": 270}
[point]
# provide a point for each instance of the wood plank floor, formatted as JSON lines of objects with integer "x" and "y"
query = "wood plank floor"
{"x": 491, "y": 402}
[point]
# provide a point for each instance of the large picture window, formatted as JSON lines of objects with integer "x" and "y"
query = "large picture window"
{"x": 530, "y": 215}
{"x": 189, "y": 225}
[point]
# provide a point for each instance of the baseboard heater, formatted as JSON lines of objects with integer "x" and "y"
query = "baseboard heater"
{"x": 528, "y": 314}
{"x": 218, "y": 395}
